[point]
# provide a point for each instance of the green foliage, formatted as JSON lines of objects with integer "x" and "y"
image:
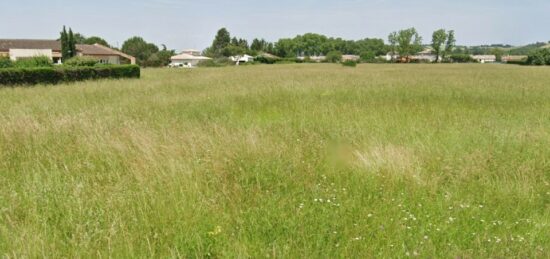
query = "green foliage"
{"x": 266, "y": 60}
{"x": 5, "y": 62}
{"x": 33, "y": 62}
{"x": 142, "y": 51}
{"x": 439, "y": 38}
{"x": 220, "y": 43}
{"x": 409, "y": 42}
{"x": 81, "y": 62}
{"x": 68, "y": 44}
{"x": 368, "y": 56}
{"x": 450, "y": 44}
{"x": 539, "y": 57}
{"x": 462, "y": 58}
{"x": 96, "y": 40}
{"x": 349, "y": 63}
{"x": 334, "y": 56}
{"x": 49, "y": 75}
{"x": 312, "y": 44}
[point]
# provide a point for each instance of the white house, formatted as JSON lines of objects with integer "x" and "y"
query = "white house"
{"x": 187, "y": 58}
{"x": 242, "y": 59}
{"x": 485, "y": 58}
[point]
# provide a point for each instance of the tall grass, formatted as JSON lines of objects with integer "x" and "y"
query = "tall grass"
{"x": 287, "y": 161}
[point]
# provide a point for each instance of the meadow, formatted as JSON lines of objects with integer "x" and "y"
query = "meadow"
{"x": 281, "y": 161}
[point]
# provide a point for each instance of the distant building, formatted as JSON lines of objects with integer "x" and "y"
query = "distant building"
{"x": 425, "y": 55}
{"x": 350, "y": 58}
{"x": 188, "y": 58}
{"x": 313, "y": 58}
{"x": 242, "y": 59}
{"x": 485, "y": 58}
{"x": 507, "y": 59}
{"x": 18, "y": 49}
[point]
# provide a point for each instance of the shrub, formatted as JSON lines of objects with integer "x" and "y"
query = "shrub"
{"x": 334, "y": 57}
{"x": 33, "y": 62}
{"x": 462, "y": 58}
{"x": 266, "y": 60}
{"x": 368, "y": 56}
{"x": 5, "y": 62}
{"x": 50, "y": 75}
{"x": 539, "y": 57}
{"x": 81, "y": 62}
{"x": 349, "y": 63}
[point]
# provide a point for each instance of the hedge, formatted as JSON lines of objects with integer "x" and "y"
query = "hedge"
{"x": 47, "y": 75}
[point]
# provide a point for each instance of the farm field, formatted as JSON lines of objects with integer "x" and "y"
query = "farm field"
{"x": 281, "y": 161}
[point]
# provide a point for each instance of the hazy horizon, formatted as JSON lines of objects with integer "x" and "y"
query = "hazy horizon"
{"x": 187, "y": 24}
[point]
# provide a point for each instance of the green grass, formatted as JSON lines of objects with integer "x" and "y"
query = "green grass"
{"x": 285, "y": 161}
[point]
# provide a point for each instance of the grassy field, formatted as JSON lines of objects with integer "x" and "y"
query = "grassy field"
{"x": 284, "y": 161}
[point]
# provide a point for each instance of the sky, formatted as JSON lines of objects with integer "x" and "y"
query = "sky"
{"x": 182, "y": 24}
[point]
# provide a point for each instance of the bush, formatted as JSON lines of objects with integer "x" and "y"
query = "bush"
{"x": 81, "y": 62}
{"x": 33, "y": 62}
{"x": 539, "y": 57}
{"x": 462, "y": 58}
{"x": 349, "y": 63}
{"x": 368, "y": 57}
{"x": 266, "y": 60}
{"x": 5, "y": 62}
{"x": 334, "y": 57}
{"x": 49, "y": 75}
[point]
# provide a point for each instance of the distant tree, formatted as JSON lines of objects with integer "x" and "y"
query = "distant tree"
{"x": 334, "y": 56}
{"x": 410, "y": 43}
{"x": 96, "y": 40}
{"x": 498, "y": 52}
{"x": 64, "y": 44}
{"x": 439, "y": 38}
{"x": 141, "y": 50}
{"x": 221, "y": 41}
{"x": 368, "y": 56}
{"x": 79, "y": 38}
{"x": 450, "y": 45}
{"x": 71, "y": 44}
{"x": 164, "y": 56}
{"x": 392, "y": 39}
{"x": 258, "y": 45}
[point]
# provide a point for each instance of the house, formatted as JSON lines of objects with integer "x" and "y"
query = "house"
{"x": 350, "y": 58}
{"x": 242, "y": 59}
{"x": 187, "y": 58}
{"x": 485, "y": 58}
{"x": 18, "y": 49}
{"x": 507, "y": 59}
{"x": 425, "y": 55}
{"x": 315, "y": 58}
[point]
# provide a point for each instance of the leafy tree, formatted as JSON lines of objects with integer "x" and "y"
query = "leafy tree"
{"x": 539, "y": 57}
{"x": 439, "y": 38}
{"x": 96, "y": 40}
{"x": 410, "y": 43}
{"x": 221, "y": 41}
{"x": 165, "y": 56}
{"x": 141, "y": 50}
{"x": 79, "y": 38}
{"x": 392, "y": 39}
{"x": 450, "y": 45}
{"x": 368, "y": 56}
{"x": 498, "y": 52}
{"x": 334, "y": 56}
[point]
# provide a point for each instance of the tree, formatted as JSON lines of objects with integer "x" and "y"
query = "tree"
{"x": 334, "y": 56}
{"x": 449, "y": 46}
{"x": 71, "y": 44}
{"x": 221, "y": 41}
{"x": 439, "y": 38}
{"x": 141, "y": 50}
{"x": 165, "y": 56}
{"x": 64, "y": 44}
{"x": 409, "y": 42}
{"x": 68, "y": 44}
{"x": 392, "y": 39}
{"x": 96, "y": 40}
{"x": 79, "y": 38}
